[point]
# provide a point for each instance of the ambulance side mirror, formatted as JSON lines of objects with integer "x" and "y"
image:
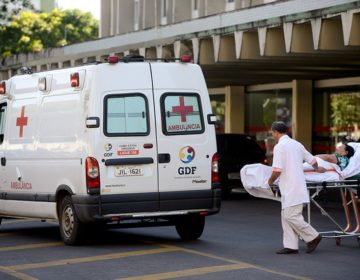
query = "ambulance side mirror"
{"x": 92, "y": 122}
{"x": 211, "y": 119}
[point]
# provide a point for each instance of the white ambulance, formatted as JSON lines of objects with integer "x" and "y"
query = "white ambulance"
{"x": 128, "y": 142}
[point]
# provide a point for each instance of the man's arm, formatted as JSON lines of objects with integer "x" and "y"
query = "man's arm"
{"x": 330, "y": 158}
{"x": 273, "y": 177}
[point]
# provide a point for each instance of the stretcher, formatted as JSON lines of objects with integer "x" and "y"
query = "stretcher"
{"x": 349, "y": 192}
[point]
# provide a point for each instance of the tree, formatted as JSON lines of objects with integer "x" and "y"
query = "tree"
{"x": 33, "y": 32}
{"x": 9, "y": 8}
{"x": 345, "y": 113}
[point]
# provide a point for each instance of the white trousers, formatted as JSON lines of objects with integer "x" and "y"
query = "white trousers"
{"x": 294, "y": 225}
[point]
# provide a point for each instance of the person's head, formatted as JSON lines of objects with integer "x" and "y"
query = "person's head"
{"x": 278, "y": 129}
{"x": 345, "y": 150}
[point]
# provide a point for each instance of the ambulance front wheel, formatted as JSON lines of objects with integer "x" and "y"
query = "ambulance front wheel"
{"x": 190, "y": 228}
{"x": 71, "y": 229}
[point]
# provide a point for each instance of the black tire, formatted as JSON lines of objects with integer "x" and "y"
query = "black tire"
{"x": 71, "y": 229}
{"x": 0, "y": 220}
{"x": 190, "y": 228}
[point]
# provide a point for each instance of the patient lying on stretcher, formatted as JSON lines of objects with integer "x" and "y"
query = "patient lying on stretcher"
{"x": 336, "y": 166}
{"x": 341, "y": 157}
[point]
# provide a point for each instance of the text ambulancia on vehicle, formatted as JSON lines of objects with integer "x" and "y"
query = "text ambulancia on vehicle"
{"x": 129, "y": 143}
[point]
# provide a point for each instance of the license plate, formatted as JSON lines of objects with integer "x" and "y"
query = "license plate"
{"x": 122, "y": 171}
{"x": 234, "y": 176}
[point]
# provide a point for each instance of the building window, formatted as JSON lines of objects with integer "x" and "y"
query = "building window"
{"x": 195, "y": 8}
{"x": 136, "y": 14}
{"x": 218, "y": 108}
{"x": 230, "y": 5}
{"x": 262, "y": 109}
{"x": 335, "y": 117}
{"x": 164, "y": 11}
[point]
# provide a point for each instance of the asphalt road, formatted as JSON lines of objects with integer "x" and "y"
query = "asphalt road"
{"x": 238, "y": 243}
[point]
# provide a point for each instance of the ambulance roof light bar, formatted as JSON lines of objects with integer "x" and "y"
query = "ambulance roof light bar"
{"x": 185, "y": 58}
{"x": 113, "y": 59}
{"x": 3, "y": 87}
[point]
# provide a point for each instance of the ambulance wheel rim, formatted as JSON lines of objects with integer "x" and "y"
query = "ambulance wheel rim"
{"x": 68, "y": 221}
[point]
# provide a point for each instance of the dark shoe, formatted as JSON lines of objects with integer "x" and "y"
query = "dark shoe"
{"x": 311, "y": 246}
{"x": 287, "y": 251}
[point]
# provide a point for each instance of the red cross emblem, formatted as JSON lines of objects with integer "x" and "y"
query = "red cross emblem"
{"x": 182, "y": 109}
{"x": 22, "y": 121}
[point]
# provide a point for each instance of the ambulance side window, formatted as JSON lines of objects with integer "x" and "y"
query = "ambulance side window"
{"x": 181, "y": 114}
{"x": 2, "y": 121}
{"x": 126, "y": 115}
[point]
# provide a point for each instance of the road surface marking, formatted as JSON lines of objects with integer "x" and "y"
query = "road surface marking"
{"x": 91, "y": 259}
{"x": 16, "y": 274}
{"x": 247, "y": 265}
{"x": 189, "y": 272}
{"x": 31, "y": 246}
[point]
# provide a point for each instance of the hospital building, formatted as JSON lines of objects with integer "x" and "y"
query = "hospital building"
{"x": 263, "y": 60}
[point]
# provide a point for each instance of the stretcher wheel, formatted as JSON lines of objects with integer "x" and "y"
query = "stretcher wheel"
{"x": 338, "y": 241}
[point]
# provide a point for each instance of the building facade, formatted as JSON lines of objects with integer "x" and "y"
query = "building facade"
{"x": 263, "y": 60}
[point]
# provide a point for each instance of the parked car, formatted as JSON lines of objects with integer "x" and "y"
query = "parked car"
{"x": 235, "y": 151}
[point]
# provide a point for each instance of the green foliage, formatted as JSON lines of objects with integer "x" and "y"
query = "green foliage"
{"x": 10, "y": 8}
{"x": 33, "y": 32}
{"x": 345, "y": 111}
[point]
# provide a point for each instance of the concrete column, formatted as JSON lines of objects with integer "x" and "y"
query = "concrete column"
{"x": 234, "y": 109}
{"x": 238, "y": 36}
{"x": 177, "y": 48}
{"x": 302, "y": 112}
{"x": 216, "y": 46}
{"x": 288, "y": 31}
{"x": 195, "y": 47}
{"x": 316, "y": 28}
{"x": 262, "y": 39}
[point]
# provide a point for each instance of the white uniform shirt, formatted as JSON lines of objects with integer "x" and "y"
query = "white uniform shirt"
{"x": 289, "y": 156}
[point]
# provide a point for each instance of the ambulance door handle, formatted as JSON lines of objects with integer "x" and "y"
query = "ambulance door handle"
{"x": 3, "y": 161}
{"x": 164, "y": 158}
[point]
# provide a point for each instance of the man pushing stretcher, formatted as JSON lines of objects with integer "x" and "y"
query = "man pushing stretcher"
{"x": 289, "y": 156}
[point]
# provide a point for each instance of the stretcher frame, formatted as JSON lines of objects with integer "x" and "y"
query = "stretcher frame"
{"x": 347, "y": 188}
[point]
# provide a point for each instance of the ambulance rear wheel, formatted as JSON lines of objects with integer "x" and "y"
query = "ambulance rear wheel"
{"x": 190, "y": 228}
{"x": 71, "y": 229}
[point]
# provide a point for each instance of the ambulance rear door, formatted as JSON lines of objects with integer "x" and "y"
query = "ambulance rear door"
{"x": 186, "y": 141}
{"x": 127, "y": 143}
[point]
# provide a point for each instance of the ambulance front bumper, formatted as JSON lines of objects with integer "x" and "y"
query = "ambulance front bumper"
{"x": 91, "y": 208}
